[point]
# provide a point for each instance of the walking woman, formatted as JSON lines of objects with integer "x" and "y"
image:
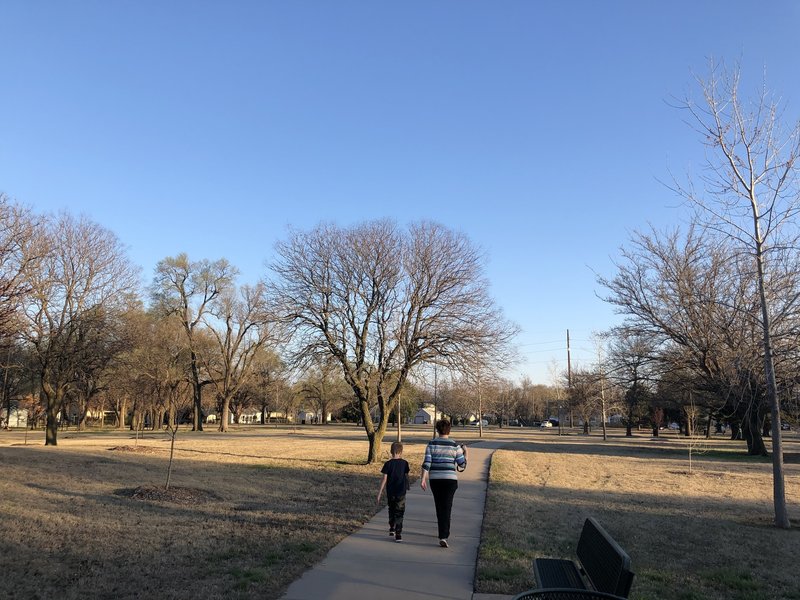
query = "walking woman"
{"x": 443, "y": 459}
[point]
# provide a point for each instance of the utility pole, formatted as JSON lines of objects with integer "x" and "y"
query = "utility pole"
{"x": 569, "y": 364}
{"x": 569, "y": 386}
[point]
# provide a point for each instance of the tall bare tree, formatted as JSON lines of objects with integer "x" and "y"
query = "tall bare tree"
{"x": 240, "y": 325}
{"x": 83, "y": 269}
{"x": 325, "y": 388}
{"x": 185, "y": 290}
{"x": 14, "y": 378}
{"x": 751, "y": 193}
{"x": 381, "y": 300}
{"x": 269, "y": 375}
{"x": 630, "y": 365}
{"x": 17, "y": 253}
{"x": 583, "y": 395}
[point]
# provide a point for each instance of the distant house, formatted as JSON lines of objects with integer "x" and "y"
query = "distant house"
{"x": 250, "y": 416}
{"x": 309, "y": 417}
{"x": 426, "y": 414}
{"x": 472, "y": 419}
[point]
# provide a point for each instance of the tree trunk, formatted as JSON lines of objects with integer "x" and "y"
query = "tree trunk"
{"x": 778, "y": 484}
{"x": 83, "y": 415}
{"x": 123, "y": 408}
{"x": 324, "y": 406}
{"x": 224, "y": 414}
{"x": 52, "y": 401}
{"x": 374, "y": 447}
{"x": 7, "y": 395}
{"x": 171, "y": 455}
{"x": 51, "y": 429}
{"x": 374, "y": 435}
{"x": 752, "y": 435}
{"x": 197, "y": 391}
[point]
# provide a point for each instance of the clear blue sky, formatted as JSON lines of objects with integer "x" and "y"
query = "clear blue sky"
{"x": 540, "y": 129}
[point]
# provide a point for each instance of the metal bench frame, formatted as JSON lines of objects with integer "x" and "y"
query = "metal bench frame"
{"x": 604, "y": 565}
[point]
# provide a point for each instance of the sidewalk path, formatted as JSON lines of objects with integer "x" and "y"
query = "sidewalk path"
{"x": 370, "y": 564}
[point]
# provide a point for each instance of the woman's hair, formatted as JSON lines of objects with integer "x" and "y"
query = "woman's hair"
{"x": 443, "y": 427}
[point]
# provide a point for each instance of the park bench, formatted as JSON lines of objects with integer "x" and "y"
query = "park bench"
{"x": 603, "y": 565}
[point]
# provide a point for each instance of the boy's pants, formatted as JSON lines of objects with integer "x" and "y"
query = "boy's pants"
{"x": 397, "y": 508}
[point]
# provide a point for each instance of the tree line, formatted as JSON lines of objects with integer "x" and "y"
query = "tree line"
{"x": 344, "y": 316}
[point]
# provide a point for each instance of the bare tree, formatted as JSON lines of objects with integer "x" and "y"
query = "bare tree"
{"x": 240, "y": 326}
{"x": 136, "y": 329}
{"x": 179, "y": 398}
{"x": 186, "y": 290}
{"x": 751, "y": 193}
{"x": 269, "y": 375}
{"x": 690, "y": 296}
{"x": 630, "y": 365}
{"x": 584, "y": 395}
{"x": 14, "y": 377}
{"x": 17, "y": 254}
{"x": 100, "y": 340}
{"x": 381, "y": 300}
{"x": 325, "y": 388}
{"x": 83, "y": 269}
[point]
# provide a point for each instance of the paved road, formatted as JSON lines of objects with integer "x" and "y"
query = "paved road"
{"x": 370, "y": 564}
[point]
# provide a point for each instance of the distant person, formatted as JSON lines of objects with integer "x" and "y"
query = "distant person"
{"x": 395, "y": 482}
{"x": 443, "y": 459}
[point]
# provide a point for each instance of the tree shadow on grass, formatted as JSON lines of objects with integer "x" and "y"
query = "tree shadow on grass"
{"x": 71, "y": 528}
{"x": 674, "y": 544}
{"x": 673, "y": 449}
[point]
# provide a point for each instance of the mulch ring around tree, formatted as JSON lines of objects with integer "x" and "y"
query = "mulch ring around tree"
{"x": 174, "y": 495}
{"x": 138, "y": 449}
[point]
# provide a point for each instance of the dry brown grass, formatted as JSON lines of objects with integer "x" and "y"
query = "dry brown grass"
{"x": 707, "y": 534}
{"x": 252, "y": 510}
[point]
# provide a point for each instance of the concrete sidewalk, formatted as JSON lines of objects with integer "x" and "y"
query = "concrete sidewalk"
{"x": 370, "y": 564}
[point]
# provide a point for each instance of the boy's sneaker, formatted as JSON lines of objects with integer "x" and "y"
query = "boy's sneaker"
{"x": 391, "y": 532}
{"x": 398, "y": 537}
{"x": 443, "y": 543}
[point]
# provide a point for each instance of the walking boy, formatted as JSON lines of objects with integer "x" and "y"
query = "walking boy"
{"x": 395, "y": 481}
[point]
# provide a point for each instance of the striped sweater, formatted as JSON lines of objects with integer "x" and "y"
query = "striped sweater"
{"x": 441, "y": 457}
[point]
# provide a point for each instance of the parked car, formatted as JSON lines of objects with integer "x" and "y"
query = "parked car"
{"x": 484, "y": 423}
{"x": 785, "y": 427}
{"x": 674, "y": 426}
{"x": 546, "y": 424}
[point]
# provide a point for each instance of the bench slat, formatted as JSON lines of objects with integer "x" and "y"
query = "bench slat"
{"x": 557, "y": 573}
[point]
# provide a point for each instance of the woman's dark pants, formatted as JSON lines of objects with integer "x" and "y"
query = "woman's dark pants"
{"x": 443, "y": 491}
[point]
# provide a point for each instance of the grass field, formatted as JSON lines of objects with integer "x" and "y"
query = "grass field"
{"x": 704, "y": 534}
{"x": 257, "y": 508}
{"x": 252, "y": 509}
